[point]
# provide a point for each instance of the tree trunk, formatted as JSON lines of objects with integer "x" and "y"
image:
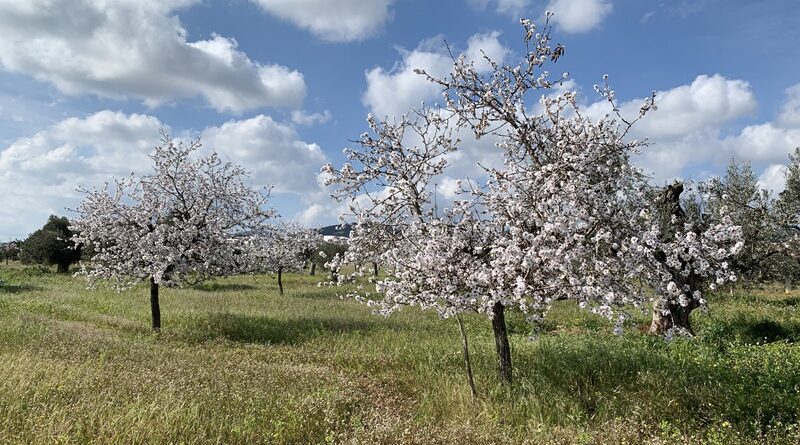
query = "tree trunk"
{"x": 787, "y": 285}
{"x": 465, "y": 351}
{"x": 375, "y": 268}
{"x": 280, "y": 280}
{"x": 313, "y": 268}
{"x": 155, "y": 308}
{"x": 501, "y": 343}
{"x": 63, "y": 268}
{"x": 671, "y": 316}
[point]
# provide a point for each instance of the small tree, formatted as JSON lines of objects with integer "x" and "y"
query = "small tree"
{"x": 179, "y": 225}
{"x": 10, "y": 250}
{"x": 788, "y": 209}
{"x": 325, "y": 252}
{"x": 283, "y": 247}
{"x": 738, "y": 195}
{"x": 51, "y": 245}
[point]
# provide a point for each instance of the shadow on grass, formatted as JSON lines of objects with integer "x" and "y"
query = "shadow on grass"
{"x": 682, "y": 382}
{"x": 750, "y": 330}
{"x": 761, "y": 300}
{"x": 223, "y": 287}
{"x": 267, "y": 330}
{"x": 6, "y": 288}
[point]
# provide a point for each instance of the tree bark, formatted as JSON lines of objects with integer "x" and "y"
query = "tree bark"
{"x": 63, "y": 268}
{"x": 280, "y": 280}
{"x": 313, "y": 269}
{"x": 375, "y": 268}
{"x": 155, "y": 308}
{"x": 671, "y": 316}
{"x": 501, "y": 343}
{"x": 465, "y": 351}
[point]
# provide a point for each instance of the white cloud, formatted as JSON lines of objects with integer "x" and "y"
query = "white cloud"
{"x": 335, "y": 21}
{"x": 301, "y": 117}
{"x": 773, "y": 178}
{"x": 513, "y": 8}
{"x": 481, "y": 45}
{"x": 790, "y": 112}
{"x": 136, "y": 49}
{"x": 690, "y": 133}
{"x": 272, "y": 151}
{"x": 448, "y": 187}
{"x": 312, "y": 215}
{"x": 396, "y": 91}
{"x": 707, "y": 102}
{"x": 39, "y": 174}
{"x": 764, "y": 143}
{"x": 574, "y": 16}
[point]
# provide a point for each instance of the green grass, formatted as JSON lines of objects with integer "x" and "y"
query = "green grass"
{"x": 237, "y": 363}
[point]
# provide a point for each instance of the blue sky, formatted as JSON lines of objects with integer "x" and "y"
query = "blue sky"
{"x": 281, "y": 86}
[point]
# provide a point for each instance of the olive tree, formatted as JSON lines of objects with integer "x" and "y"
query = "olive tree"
{"x": 690, "y": 254}
{"x": 50, "y": 245}
{"x": 10, "y": 250}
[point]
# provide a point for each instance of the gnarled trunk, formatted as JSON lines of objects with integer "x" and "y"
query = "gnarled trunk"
{"x": 313, "y": 268}
{"x": 63, "y": 268}
{"x": 668, "y": 316}
{"x": 501, "y": 343}
{"x": 155, "y": 308}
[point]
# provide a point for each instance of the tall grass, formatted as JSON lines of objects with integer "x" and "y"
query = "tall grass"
{"x": 237, "y": 363}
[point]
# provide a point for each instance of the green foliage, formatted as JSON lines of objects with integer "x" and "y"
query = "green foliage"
{"x": 790, "y": 197}
{"x": 51, "y": 245}
{"x": 326, "y": 251}
{"x": 9, "y": 251}
{"x": 242, "y": 364}
{"x": 763, "y": 222}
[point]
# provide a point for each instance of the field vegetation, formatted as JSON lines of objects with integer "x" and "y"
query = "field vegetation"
{"x": 239, "y": 363}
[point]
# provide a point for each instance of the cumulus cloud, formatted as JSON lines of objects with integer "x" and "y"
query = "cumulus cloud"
{"x": 513, "y": 8}
{"x": 334, "y": 21}
{"x": 790, "y": 112}
{"x": 301, "y": 117}
{"x": 393, "y": 92}
{"x": 136, "y": 49}
{"x": 39, "y": 174}
{"x": 575, "y": 16}
{"x": 707, "y": 102}
{"x": 773, "y": 178}
{"x": 272, "y": 151}
{"x": 690, "y": 134}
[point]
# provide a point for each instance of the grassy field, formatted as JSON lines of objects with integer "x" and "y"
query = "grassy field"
{"x": 237, "y": 363}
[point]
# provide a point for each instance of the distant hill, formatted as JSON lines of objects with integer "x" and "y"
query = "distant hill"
{"x": 336, "y": 230}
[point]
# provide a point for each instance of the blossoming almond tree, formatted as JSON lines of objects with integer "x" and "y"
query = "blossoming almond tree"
{"x": 564, "y": 217}
{"x": 556, "y": 221}
{"x": 283, "y": 247}
{"x": 178, "y": 225}
{"x": 573, "y": 207}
